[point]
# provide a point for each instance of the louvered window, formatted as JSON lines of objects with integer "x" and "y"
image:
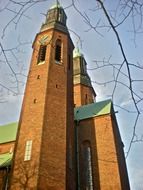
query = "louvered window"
{"x": 58, "y": 51}
{"x": 42, "y": 53}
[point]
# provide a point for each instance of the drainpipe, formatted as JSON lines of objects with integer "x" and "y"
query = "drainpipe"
{"x": 7, "y": 178}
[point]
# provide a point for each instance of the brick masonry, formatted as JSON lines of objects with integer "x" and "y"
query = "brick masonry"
{"x": 46, "y": 119}
{"x": 6, "y": 147}
{"x": 108, "y": 162}
{"x": 83, "y": 95}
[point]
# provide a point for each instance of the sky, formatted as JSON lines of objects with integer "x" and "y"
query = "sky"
{"x": 100, "y": 48}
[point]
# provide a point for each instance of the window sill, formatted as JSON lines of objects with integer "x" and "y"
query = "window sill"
{"x": 58, "y": 62}
{"x": 41, "y": 63}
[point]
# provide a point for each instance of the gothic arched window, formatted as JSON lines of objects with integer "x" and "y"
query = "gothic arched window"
{"x": 58, "y": 51}
{"x": 87, "y": 165}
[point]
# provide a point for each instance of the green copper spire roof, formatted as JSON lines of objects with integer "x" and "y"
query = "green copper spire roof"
{"x": 55, "y": 18}
{"x": 77, "y": 53}
{"x": 56, "y": 5}
{"x": 79, "y": 69}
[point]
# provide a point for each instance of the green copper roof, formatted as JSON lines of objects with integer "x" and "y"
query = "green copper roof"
{"x": 8, "y": 132}
{"x": 92, "y": 110}
{"x": 56, "y": 5}
{"x": 77, "y": 53}
{"x": 5, "y": 159}
{"x": 82, "y": 79}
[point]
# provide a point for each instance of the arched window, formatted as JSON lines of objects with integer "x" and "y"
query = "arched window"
{"x": 42, "y": 53}
{"x": 87, "y": 165}
{"x": 58, "y": 51}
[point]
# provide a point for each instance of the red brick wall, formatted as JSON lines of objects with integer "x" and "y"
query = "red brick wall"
{"x": 86, "y": 132}
{"x": 6, "y": 147}
{"x": 83, "y": 95}
{"x": 45, "y": 122}
{"x": 107, "y": 153}
{"x": 120, "y": 156}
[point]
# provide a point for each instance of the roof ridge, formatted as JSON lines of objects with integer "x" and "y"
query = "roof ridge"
{"x": 92, "y": 110}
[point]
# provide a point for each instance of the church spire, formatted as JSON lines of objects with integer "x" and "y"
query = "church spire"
{"x": 55, "y": 18}
{"x": 51, "y": 71}
{"x": 77, "y": 53}
{"x": 83, "y": 90}
{"x": 80, "y": 70}
{"x": 58, "y": 3}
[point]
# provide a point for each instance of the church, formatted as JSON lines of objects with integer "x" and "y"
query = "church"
{"x": 64, "y": 139}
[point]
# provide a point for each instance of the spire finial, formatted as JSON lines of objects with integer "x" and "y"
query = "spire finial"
{"x": 77, "y": 52}
{"x": 57, "y": 2}
{"x": 56, "y": 5}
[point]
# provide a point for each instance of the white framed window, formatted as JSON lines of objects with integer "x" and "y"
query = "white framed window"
{"x": 28, "y": 150}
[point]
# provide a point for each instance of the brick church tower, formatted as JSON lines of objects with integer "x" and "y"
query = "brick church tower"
{"x": 83, "y": 90}
{"x": 100, "y": 161}
{"x": 65, "y": 140}
{"x": 44, "y": 154}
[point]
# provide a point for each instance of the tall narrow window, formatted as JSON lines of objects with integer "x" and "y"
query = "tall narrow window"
{"x": 58, "y": 51}
{"x": 28, "y": 149}
{"x": 88, "y": 178}
{"x": 86, "y": 99}
{"x": 42, "y": 53}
